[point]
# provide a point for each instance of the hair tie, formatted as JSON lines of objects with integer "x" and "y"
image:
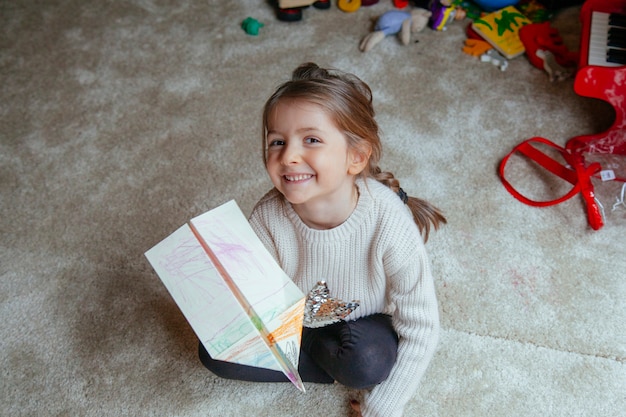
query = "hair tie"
{"x": 403, "y": 196}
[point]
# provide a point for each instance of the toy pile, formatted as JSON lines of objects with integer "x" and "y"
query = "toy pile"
{"x": 500, "y": 30}
{"x": 507, "y": 29}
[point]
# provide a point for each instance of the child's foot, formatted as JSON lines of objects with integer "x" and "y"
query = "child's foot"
{"x": 356, "y": 406}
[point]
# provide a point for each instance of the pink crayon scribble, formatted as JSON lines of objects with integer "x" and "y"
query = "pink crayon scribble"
{"x": 194, "y": 273}
{"x": 235, "y": 254}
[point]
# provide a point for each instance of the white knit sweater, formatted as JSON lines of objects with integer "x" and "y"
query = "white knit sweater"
{"x": 376, "y": 256}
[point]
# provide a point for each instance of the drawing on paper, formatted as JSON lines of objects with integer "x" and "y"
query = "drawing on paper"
{"x": 239, "y": 302}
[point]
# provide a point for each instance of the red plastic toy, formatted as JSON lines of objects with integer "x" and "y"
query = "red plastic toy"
{"x": 540, "y": 36}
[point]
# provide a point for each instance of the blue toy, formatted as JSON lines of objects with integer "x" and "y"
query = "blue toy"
{"x": 492, "y": 5}
{"x": 396, "y": 22}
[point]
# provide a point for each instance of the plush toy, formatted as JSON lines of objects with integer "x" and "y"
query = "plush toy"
{"x": 396, "y": 22}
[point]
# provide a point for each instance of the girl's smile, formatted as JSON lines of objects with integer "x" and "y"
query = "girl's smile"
{"x": 309, "y": 162}
{"x": 297, "y": 177}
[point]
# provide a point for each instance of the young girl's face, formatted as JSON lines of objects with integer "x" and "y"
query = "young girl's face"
{"x": 308, "y": 159}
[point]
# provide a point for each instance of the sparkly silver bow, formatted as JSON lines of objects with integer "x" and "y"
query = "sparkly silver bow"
{"x": 321, "y": 310}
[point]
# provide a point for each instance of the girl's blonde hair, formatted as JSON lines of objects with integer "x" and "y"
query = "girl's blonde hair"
{"x": 348, "y": 100}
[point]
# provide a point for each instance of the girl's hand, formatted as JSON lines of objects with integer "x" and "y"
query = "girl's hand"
{"x": 356, "y": 407}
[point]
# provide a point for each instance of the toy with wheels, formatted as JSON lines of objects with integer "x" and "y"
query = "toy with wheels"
{"x": 291, "y": 10}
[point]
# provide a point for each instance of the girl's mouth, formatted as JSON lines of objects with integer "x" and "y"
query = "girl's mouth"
{"x": 299, "y": 177}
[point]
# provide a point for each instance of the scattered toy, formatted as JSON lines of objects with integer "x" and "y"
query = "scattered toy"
{"x": 251, "y": 26}
{"x": 476, "y": 47}
{"x": 492, "y": 5}
{"x": 495, "y": 58}
{"x": 350, "y": 6}
{"x": 444, "y": 12}
{"x": 470, "y": 9}
{"x": 400, "y": 4}
{"x": 291, "y": 10}
{"x": 554, "y": 70}
{"x": 542, "y": 36}
{"x": 396, "y": 22}
{"x": 501, "y": 29}
{"x": 535, "y": 11}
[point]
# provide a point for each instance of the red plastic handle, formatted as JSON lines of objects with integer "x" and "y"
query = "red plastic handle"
{"x": 579, "y": 177}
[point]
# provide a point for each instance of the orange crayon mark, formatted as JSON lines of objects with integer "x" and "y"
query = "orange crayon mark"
{"x": 291, "y": 325}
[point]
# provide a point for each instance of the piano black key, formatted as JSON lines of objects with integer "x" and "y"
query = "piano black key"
{"x": 617, "y": 38}
{"x": 616, "y": 56}
{"x": 617, "y": 43}
{"x": 616, "y": 19}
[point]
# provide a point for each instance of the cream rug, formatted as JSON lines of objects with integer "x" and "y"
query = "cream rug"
{"x": 122, "y": 120}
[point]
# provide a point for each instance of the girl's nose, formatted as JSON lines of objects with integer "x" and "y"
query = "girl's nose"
{"x": 291, "y": 154}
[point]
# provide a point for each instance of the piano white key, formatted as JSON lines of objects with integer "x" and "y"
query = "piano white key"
{"x": 598, "y": 40}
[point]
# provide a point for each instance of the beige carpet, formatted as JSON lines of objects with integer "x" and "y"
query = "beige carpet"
{"x": 122, "y": 120}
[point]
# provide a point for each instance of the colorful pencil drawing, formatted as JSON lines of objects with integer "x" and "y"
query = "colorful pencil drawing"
{"x": 240, "y": 303}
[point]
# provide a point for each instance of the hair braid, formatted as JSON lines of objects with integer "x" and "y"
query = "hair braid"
{"x": 424, "y": 213}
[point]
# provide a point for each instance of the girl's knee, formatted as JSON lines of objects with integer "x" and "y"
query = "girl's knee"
{"x": 367, "y": 367}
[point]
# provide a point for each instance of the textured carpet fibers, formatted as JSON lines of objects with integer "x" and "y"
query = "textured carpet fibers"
{"x": 122, "y": 120}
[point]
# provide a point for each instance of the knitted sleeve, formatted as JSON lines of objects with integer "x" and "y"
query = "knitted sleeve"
{"x": 416, "y": 320}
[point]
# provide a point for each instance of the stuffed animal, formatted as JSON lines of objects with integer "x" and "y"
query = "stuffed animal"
{"x": 396, "y": 22}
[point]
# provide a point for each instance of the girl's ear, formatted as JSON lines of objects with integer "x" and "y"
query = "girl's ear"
{"x": 358, "y": 159}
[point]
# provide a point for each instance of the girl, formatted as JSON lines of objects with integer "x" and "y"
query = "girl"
{"x": 334, "y": 216}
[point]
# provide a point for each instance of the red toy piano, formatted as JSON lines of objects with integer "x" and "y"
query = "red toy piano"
{"x": 602, "y": 75}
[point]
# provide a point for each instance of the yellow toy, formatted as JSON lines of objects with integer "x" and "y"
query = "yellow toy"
{"x": 349, "y": 6}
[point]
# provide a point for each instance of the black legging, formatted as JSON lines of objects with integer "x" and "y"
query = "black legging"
{"x": 358, "y": 354}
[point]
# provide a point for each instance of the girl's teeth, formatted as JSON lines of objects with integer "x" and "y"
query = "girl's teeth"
{"x": 297, "y": 177}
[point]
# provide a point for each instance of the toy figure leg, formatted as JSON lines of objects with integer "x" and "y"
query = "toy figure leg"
{"x": 358, "y": 354}
{"x": 308, "y": 370}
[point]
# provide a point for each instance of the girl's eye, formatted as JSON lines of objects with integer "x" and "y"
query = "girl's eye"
{"x": 276, "y": 142}
{"x": 312, "y": 140}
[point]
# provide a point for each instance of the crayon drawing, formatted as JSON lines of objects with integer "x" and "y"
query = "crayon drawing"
{"x": 240, "y": 303}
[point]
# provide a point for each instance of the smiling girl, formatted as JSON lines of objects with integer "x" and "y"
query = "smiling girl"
{"x": 335, "y": 216}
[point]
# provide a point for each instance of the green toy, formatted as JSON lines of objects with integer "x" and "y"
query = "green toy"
{"x": 251, "y": 26}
